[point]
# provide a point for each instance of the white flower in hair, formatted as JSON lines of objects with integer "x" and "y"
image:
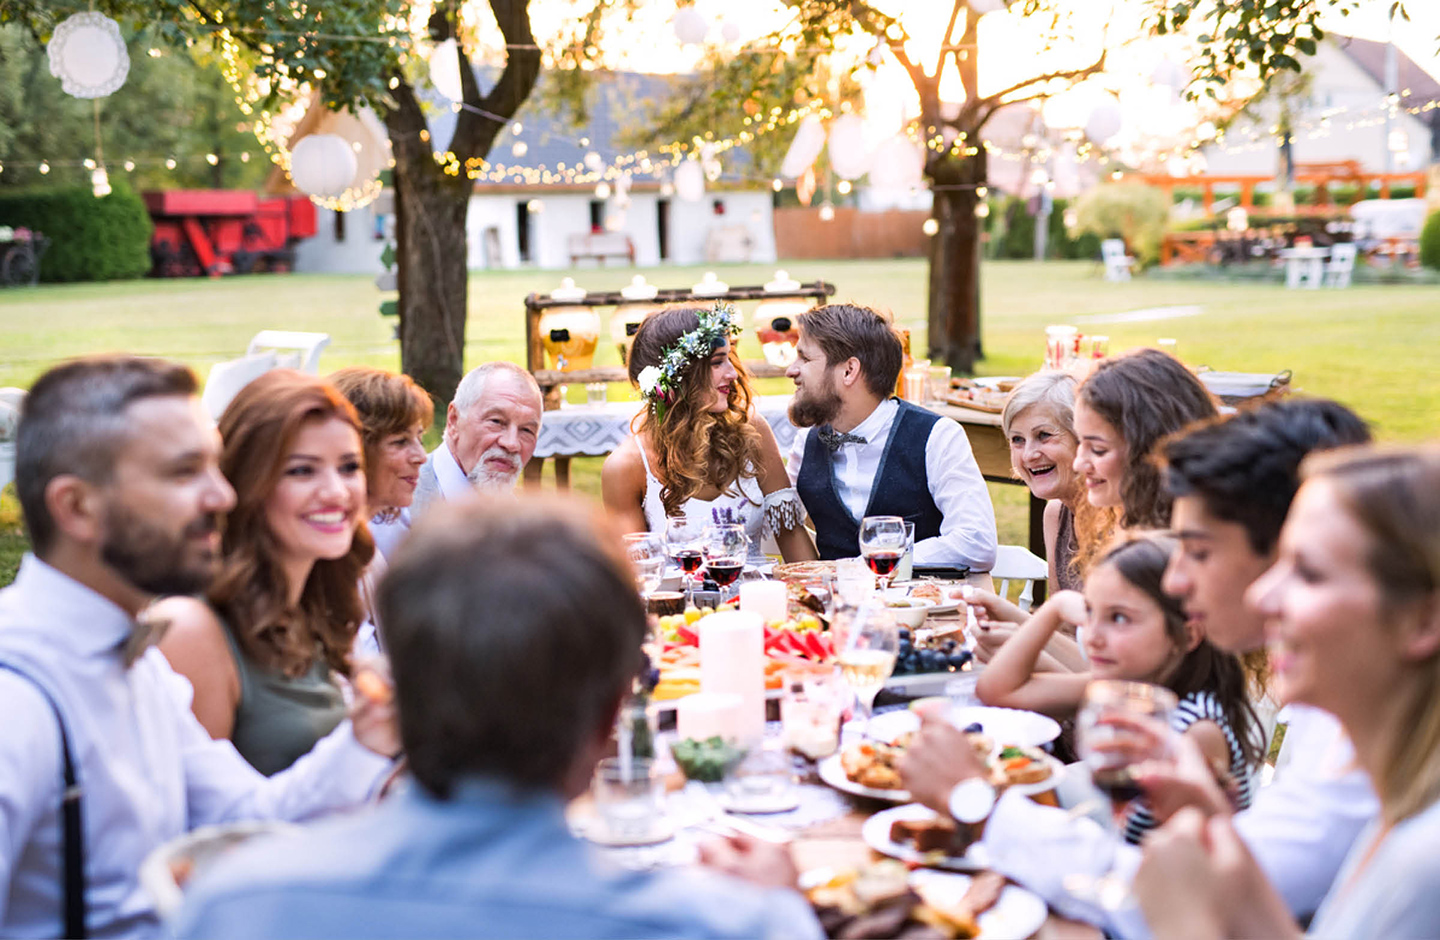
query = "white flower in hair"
{"x": 649, "y": 379}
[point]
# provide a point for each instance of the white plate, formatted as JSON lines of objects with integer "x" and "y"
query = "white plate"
{"x": 833, "y": 773}
{"x": 993, "y": 381}
{"x": 876, "y": 833}
{"x": 945, "y": 605}
{"x": 1003, "y": 725}
{"x": 1018, "y": 912}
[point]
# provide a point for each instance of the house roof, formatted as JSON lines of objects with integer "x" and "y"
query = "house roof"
{"x": 1415, "y": 85}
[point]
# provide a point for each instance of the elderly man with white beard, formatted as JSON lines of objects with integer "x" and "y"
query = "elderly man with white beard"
{"x": 490, "y": 431}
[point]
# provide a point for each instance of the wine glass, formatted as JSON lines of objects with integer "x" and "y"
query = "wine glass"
{"x": 1120, "y": 726}
{"x": 647, "y": 554}
{"x": 685, "y": 543}
{"x": 882, "y": 544}
{"x": 725, "y": 548}
{"x": 869, "y": 643}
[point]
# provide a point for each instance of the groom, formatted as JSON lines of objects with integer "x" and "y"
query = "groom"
{"x": 871, "y": 454}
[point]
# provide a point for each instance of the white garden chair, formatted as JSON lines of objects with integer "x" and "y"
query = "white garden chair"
{"x": 10, "y": 401}
{"x": 1017, "y": 563}
{"x": 1341, "y": 265}
{"x": 292, "y": 350}
{"x": 1117, "y": 262}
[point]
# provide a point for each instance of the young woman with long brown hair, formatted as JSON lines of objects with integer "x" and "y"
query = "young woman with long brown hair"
{"x": 698, "y": 449}
{"x": 264, "y": 646}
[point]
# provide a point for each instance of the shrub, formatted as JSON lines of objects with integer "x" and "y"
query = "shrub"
{"x": 90, "y": 239}
{"x": 1132, "y": 211}
{"x": 1430, "y": 241}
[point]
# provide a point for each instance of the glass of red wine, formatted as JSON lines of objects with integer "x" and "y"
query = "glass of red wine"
{"x": 882, "y": 545}
{"x": 1121, "y": 725}
{"x": 685, "y": 544}
{"x": 725, "y": 549}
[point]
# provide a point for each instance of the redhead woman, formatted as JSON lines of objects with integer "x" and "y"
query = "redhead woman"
{"x": 699, "y": 450}
{"x": 264, "y": 648}
{"x": 1352, "y": 610}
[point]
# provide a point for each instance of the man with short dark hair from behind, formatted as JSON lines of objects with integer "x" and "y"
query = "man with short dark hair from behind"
{"x": 514, "y": 632}
{"x": 118, "y": 477}
{"x": 1232, "y": 480}
{"x": 863, "y": 452}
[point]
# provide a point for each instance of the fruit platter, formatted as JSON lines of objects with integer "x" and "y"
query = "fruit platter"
{"x": 793, "y": 645}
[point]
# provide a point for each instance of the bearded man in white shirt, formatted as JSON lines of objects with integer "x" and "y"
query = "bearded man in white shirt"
{"x": 1232, "y": 482}
{"x": 491, "y": 428}
{"x": 119, "y": 481}
{"x": 867, "y": 453}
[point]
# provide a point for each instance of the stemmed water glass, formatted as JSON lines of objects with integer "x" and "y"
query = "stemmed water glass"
{"x": 685, "y": 543}
{"x": 647, "y": 555}
{"x": 725, "y": 549}
{"x": 1120, "y": 726}
{"x": 869, "y": 642}
{"x": 882, "y": 544}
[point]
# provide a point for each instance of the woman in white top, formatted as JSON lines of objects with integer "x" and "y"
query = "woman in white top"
{"x": 1352, "y": 610}
{"x": 699, "y": 449}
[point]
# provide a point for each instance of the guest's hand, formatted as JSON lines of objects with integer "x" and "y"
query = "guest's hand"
{"x": 939, "y": 757}
{"x": 1185, "y": 780}
{"x": 991, "y": 606}
{"x": 990, "y": 635}
{"x": 372, "y": 710}
{"x": 747, "y": 858}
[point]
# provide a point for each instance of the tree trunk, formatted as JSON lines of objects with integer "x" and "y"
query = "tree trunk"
{"x": 954, "y": 316}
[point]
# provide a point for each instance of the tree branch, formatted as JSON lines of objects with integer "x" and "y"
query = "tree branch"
{"x": 1085, "y": 72}
{"x": 945, "y": 44}
{"x": 474, "y": 133}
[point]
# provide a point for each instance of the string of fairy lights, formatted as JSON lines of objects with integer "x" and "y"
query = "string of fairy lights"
{"x": 661, "y": 162}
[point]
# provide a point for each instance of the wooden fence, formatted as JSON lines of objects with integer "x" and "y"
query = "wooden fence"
{"x": 892, "y": 233}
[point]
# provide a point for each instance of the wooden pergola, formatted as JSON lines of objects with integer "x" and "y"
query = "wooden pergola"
{"x": 1319, "y": 175}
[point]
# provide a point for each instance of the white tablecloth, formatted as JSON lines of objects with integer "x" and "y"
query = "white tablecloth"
{"x": 595, "y": 430}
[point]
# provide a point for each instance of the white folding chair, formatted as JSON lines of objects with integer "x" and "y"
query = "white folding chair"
{"x": 10, "y": 400}
{"x": 292, "y": 350}
{"x": 227, "y": 378}
{"x": 1117, "y": 262}
{"x": 1016, "y": 563}
{"x": 1341, "y": 265}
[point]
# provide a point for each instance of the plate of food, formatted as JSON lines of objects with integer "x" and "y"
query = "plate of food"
{"x": 1001, "y": 725}
{"x": 800, "y": 571}
{"x": 931, "y": 592}
{"x": 168, "y": 869}
{"x": 867, "y": 768}
{"x": 885, "y": 899}
{"x": 918, "y": 835}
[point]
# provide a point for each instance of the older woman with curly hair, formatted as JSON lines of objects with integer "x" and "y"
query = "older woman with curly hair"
{"x": 699, "y": 450}
{"x": 264, "y": 647}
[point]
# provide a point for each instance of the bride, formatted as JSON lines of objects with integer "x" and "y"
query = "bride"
{"x": 698, "y": 450}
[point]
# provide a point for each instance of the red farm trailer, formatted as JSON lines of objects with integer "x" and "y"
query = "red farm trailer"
{"x": 220, "y": 231}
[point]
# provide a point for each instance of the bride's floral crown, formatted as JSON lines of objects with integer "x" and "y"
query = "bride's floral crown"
{"x": 659, "y": 385}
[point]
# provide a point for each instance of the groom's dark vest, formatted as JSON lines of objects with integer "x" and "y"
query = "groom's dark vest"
{"x": 901, "y": 486}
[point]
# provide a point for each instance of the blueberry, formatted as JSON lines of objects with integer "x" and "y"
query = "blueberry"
{"x": 974, "y": 727}
{"x": 904, "y": 633}
{"x": 957, "y": 660}
{"x": 932, "y": 661}
{"x": 905, "y": 648}
{"x": 950, "y": 645}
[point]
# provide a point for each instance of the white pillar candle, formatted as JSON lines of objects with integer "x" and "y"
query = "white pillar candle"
{"x": 707, "y": 714}
{"x": 766, "y": 598}
{"x": 732, "y": 660}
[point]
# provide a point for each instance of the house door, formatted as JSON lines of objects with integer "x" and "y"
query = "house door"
{"x": 662, "y": 221}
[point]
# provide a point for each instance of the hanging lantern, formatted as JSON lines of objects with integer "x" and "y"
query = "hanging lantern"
{"x": 690, "y": 26}
{"x": 827, "y": 211}
{"x": 625, "y": 322}
{"x": 850, "y": 155}
{"x": 99, "y": 182}
{"x": 369, "y": 145}
{"x": 776, "y": 321}
{"x": 899, "y": 163}
{"x": 1105, "y": 122}
{"x": 322, "y": 165}
{"x": 445, "y": 70}
{"x": 88, "y": 55}
{"x": 981, "y": 7}
{"x": 571, "y": 332}
{"x": 809, "y": 141}
{"x": 690, "y": 181}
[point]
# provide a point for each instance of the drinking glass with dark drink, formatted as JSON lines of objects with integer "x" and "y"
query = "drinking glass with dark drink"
{"x": 882, "y": 545}
{"x": 685, "y": 544}
{"x": 725, "y": 549}
{"x": 1121, "y": 726}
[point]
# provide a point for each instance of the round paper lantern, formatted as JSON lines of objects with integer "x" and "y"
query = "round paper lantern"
{"x": 445, "y": 70}
{"x": 323, "y": 165}
{"x": 368, "y": 141}
{"x": 899, "y": 163}
{"x": 809, "y": 141}
{"x": 850, "y": 156}
{"x": 690, "y": 26}
{"x": 1105, "y": 122}
{"x": 981, "y": 7}
{"x": 690, "y": 181}
{"x": 88, "y": 55}
{"x": 730, "y": 32}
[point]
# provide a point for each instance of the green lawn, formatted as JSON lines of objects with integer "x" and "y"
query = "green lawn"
{"x": 1376, "y": 348}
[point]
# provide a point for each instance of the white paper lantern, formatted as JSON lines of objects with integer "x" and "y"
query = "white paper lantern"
{"x": 323, "y": 165}
{"x": 87, "y": 54}
{"x": 850, "y": 154}
{"x": 899, "y": 163}
{"x": 690, "y": 26}
{"x": 593, "y": 162}
{"x": 809, "y": 141}
{"x": 445, "y": 70}
{"x": 690, "y": 181}
{"x": 1105, "y": 122}
{"x": 1170, "y": 73}
{"x": 730, "y": 32}
{"x": 981, "y": 7}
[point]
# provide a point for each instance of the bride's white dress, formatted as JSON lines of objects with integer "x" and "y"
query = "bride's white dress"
{"x": 760, "y": 514}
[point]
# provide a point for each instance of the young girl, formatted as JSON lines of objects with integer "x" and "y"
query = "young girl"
{"x": 1133, "y": 630}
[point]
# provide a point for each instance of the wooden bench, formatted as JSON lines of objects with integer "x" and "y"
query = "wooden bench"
{"x": 601, "y": 245}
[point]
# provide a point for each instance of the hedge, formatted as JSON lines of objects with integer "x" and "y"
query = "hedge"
{"x": 91, "y": 239}
{"x": 1430, "y": 241}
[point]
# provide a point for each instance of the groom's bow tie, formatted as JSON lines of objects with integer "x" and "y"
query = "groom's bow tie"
{"x": 832, "y": 439}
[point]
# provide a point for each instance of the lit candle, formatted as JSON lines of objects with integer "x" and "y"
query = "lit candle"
{"x": 766, "y": 598}
{"x": 707, "y": 715}
{"x": 732, "y": 660}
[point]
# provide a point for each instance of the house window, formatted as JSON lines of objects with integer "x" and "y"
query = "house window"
{"x": 522, "y": 229}
{"x": 597, "y": 215}
{"x": 662, "y": 220}
{"x": 339, "y": 226}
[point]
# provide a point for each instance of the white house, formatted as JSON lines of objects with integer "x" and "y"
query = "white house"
{"x": 1341, "y": 117}
{"x": 513, "y": 223}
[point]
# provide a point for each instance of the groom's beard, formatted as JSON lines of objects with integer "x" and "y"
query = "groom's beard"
{"x": 809, "y": 409}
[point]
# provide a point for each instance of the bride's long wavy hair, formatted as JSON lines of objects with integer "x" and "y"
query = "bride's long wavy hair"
{"x": 694, "y": 447}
